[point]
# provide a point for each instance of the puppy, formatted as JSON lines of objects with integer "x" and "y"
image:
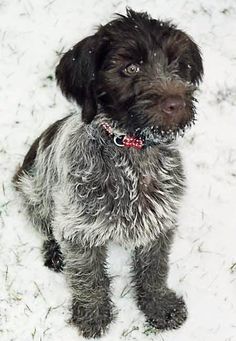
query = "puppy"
{"x": 117, "y": 174}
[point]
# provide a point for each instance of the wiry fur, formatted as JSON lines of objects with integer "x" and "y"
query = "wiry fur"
{"x": 82, "y": 191}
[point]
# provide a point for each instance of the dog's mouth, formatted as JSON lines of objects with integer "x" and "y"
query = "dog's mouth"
{"x": 161, "y": 129}
{"x": 152, "y": 124}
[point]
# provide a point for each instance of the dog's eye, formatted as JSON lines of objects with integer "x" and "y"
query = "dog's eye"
{"x": 131, "y": 69}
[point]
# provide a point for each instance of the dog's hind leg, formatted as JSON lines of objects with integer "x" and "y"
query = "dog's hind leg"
{"x": 30, "y": 184}
{"x": 39, "y": 212}
{"x": 34, "y": 180}
{"x": 161, "y": 306}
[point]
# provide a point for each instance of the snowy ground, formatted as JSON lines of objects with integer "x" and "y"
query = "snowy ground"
{"x": 34, "y": 300}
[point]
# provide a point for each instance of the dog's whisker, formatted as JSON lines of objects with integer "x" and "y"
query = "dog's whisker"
{"x": 101, "y": 94}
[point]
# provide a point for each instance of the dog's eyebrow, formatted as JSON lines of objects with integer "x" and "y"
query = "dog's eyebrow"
{"x": 132, "y": 52}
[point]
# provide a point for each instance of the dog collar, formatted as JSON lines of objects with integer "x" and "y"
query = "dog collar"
{"x": 122, "y": 140}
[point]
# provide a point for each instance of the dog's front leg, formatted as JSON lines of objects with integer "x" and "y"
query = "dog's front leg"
{"x": 162, "y": 308}
{"x": 87, "y": 277}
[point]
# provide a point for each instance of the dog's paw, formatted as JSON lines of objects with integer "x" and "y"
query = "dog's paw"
{"x": 164, "y": 310}
{"x": 92, "y": 320}
{"x": 52, "y": 254}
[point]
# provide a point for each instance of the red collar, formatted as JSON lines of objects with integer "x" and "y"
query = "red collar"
{"x": 123, "y": 140}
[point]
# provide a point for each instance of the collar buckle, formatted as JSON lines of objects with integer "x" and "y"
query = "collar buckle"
{"x": 118, "y": 140}
{"x": 122, "y": 140}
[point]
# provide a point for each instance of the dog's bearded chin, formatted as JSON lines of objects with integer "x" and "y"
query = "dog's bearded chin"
{"x": 157, "y": 135}
{"x": 151, "y": 135}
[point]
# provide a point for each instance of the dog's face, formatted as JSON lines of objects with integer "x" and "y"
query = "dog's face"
{"x": 139, "y": 71}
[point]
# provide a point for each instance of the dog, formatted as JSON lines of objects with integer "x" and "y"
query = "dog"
{"x": 115, "y": 173}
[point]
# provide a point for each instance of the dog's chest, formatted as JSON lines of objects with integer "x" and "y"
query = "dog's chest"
{"x": 133, "y": 200}
{"x": 138, "y": 192}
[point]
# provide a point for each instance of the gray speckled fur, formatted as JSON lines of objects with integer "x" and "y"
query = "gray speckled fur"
{"x": 85, "y": 191}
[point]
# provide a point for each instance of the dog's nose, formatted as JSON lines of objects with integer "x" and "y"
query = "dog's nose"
{"x": 172, "y": 105}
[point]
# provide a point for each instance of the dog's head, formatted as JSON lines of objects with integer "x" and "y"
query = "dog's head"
{"x": 139, "y": 71}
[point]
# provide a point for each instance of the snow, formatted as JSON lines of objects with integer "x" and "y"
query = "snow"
{"x": 34, "y": 301}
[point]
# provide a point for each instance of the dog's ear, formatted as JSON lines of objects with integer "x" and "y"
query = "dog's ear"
{"x": 76, "y": 73}
{"x": 196, "y": 71}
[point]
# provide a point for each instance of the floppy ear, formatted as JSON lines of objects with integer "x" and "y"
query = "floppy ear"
{"x": 75, "y": 75}
{"x": 196, "y": 72}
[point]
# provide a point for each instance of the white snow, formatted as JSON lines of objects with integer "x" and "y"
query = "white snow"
{"x": 33, "y": 300}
